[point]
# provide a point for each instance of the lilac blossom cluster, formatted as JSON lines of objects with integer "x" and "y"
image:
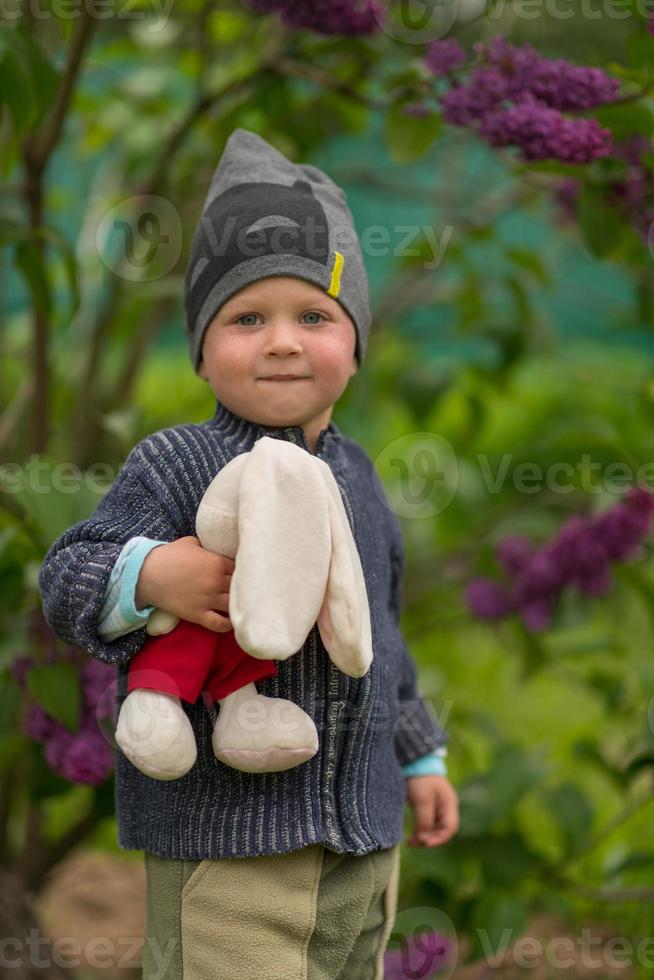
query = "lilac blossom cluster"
{"x": 422, "y": 955}
{"x": 444, "y": 55}
{"x": 517, "y": 97}
{"x": 579, "y": 556}
{"x": 350, "y": 17}
{"x": 84, "y": 756}
{"x": 633, "y": 195}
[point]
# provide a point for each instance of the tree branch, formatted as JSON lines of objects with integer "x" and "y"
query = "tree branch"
{"x": 40, "y": 145}
{"x": 36, "y": 150}
{"x": 301, "y": 69}
{"x": 154, "y": 183}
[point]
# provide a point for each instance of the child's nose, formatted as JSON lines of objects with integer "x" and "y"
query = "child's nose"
{"x": 282, "y": 335}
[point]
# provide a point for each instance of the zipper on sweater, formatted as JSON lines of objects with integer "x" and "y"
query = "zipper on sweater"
{"x": 328, "y": 794}
{"x": 300, "y": 440}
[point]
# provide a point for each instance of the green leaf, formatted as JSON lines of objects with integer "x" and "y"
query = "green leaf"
{"x": 521, "y": 297}
{"x": 645, "y": 760}
{"x": 57, "y": 689}
{"x": 551, "y": 167}
{"x": 624, "y": 120}
{"x": 533, "y": 649}
{"x": 12, "y": 746}
{"x": 43, "y": 782}
{"x": 573, "y": 812}
{"x": 531, "y": 261}
{"x": 489, "y": 797}
{"x": 600, "y": 223}
{"x": 409, "y": 137}
{"x": 505, "y": 860}
{"x": 635, "y": 861}
{"x": 17, "y": 88}
{"x": 640, "y": 48}
{"x": 10, "y": 698}
{"x": 31, "y": 263}
{"x": 45, "y": 77}
{"x": 587, "y": 750}
{"x": 497, "y": 922}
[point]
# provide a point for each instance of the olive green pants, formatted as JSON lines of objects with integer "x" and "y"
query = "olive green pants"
{"x": 310, "y": 914}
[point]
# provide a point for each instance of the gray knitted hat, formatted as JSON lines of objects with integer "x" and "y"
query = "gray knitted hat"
{"x": 265, "y": 216}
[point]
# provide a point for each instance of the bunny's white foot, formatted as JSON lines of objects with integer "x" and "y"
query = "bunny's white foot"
{"x": 156, "y": 735}
{"x": 255, "y": 733}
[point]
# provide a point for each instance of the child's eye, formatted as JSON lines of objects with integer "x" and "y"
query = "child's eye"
{"x": 243, "y": 317}
{"x": 314, "y": 313}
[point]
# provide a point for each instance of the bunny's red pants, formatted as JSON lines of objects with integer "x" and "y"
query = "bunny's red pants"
{"x": 191, "y": 659}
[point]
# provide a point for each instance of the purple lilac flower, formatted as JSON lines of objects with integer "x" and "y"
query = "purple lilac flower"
{"x": 543, "y": 133}
{"x": 514, "y": 552}
{"x": 537, "y": 614}
{"x": 518, "y": 97}
{"x": 39, "y": 725}
{"x": 87, "y": 758}
{"x": 442, "y": 56}
{"x": 556, "y": 82}
{"x": 84, "y": 756}
{"x": 98, "y": 686}
{"x": 543, "y": 574}
{"x": 633, "y": 196}
{"x": 57, "y": 745}
{"x": 579, "y": 555}
{"x": 622, "y": 528}
{"x": 422, "y": 955}
{"x": 487, "y": 599}
{"x": 485, "y": 89}
{"x": 19, "y": 667}
{"x": 349, "y": 17}
{"x": 566, "y": 197}
{"x": 80, "y": 757}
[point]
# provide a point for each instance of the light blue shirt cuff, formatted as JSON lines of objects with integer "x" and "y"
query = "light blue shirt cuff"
{"x": 129, "y": 580}
{"x": 432, "y": 764}
{"x": 119, "y": 614}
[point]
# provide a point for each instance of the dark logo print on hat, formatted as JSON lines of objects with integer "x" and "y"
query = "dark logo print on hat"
{"x": 250, "y": 220}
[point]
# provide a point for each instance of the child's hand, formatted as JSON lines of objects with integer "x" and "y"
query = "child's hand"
{"x": 435, "y": 806}
{"x": 185, "y": 579}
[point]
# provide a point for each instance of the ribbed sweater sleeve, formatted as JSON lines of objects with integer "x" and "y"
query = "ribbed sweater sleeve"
{"x": 74, "y": 575}
{"x": 418, "y": 732}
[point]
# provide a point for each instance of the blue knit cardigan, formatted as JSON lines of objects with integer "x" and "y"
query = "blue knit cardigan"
{"x": 350, "y": 796}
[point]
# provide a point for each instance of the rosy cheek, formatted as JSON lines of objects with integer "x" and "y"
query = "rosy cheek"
{"x": 331, "y": 358}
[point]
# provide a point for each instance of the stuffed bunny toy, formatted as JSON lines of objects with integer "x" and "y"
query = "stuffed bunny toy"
{"x": 278, "y": 512}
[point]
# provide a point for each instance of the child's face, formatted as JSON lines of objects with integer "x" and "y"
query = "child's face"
{"x": 280, "y": 325}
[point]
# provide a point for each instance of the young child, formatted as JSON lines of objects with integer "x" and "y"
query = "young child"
{"x": 292, "y": 873}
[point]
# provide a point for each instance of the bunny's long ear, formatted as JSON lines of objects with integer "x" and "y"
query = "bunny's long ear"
{"x": 344, "y": 619}
{"x": 216, "y": 521}
{"x": 281, "y": 567}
